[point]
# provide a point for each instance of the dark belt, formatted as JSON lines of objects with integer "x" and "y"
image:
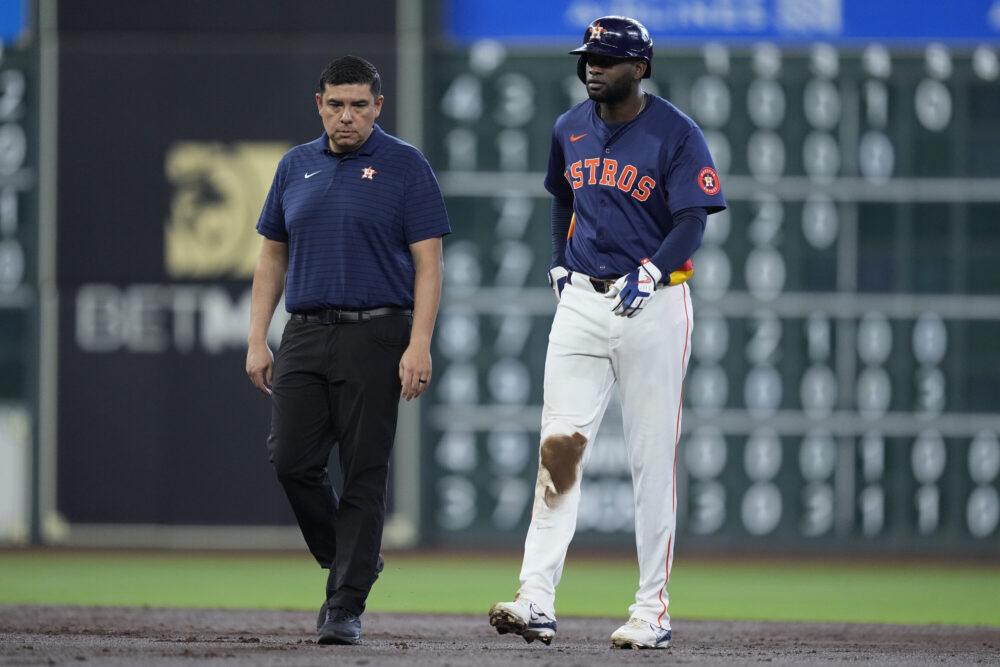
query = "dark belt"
{"x": 336, "y": 316}
{"x": 600, "y": 286}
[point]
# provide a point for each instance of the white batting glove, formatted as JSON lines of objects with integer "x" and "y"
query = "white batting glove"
{"x": 557, "y": 280}
{"x": 634, "y": 289}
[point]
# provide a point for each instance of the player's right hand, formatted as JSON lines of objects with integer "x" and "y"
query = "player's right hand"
{"x": 260, "y": 366}
{"x": 635, "y": 289}
{"x": 557, "y": 280}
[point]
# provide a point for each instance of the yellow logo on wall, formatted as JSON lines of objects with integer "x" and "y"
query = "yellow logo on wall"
{"x": 218, "y": 192}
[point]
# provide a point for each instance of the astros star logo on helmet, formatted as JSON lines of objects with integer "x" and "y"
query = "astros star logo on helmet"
{"x": 596, "y": 31}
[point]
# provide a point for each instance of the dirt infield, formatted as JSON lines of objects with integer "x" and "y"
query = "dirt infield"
{"x": 44, "y": 635}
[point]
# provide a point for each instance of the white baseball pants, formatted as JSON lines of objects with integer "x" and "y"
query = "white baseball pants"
{"x": 590, "y": 349}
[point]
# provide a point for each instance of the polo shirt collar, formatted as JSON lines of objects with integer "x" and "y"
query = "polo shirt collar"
{"x": 367, "y": 148}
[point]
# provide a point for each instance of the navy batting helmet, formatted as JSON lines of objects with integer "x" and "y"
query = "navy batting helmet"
{"x": 615, "y": 37}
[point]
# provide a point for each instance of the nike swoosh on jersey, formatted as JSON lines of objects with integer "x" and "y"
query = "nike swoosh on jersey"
{"x": 573, "y": 138}
{"x": 312, "y": 174}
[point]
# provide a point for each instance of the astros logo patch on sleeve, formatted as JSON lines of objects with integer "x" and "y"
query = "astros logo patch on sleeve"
{"x": 708, "y": 180}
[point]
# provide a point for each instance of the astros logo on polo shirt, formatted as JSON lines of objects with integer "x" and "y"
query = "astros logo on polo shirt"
{"x": 368, "y": 173}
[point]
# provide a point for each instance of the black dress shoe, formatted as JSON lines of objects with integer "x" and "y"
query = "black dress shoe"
{"x": 341, "y": 627}
{"x": 321, "y": 619}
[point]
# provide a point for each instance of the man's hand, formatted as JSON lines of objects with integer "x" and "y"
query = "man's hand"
{"x": 634, "y": 289}
{"x": 415, "y": 369}
{"x": 260, "y": 366}
{"x": 268, "y": 283}
{"x": 557, "y": 280}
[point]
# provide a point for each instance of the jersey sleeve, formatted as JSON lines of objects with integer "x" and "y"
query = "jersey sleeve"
{"x": 271, "y": 223}
{"x": 424, "y": 215}
{"x": 692, "y": 180}
{"x": 555, "y": 178}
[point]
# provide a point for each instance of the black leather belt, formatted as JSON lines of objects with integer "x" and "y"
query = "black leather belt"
{"x": 600, "y": 286}
{"x": 337, "y": 316}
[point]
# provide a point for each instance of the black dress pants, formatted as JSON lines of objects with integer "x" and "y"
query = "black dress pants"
{"x": 338, "y": 384}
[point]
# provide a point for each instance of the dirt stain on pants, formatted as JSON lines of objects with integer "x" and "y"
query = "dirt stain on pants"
{"x": 559, "y": 466}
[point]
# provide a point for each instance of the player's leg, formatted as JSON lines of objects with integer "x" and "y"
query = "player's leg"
{"x": 577, "y": 386}
{"x": 301, "y": 440}
{"x": 364, "y": 399}
{"x": 651, "y": 362}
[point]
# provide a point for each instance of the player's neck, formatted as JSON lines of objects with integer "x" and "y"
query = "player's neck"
{"x": 622, "y": 111}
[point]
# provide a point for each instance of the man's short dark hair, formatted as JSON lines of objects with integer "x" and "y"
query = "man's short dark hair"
{"x": 348, "y": 70}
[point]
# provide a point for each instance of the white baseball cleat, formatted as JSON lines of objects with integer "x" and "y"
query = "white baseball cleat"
{"x": 638, "y": 633}
{"x": 523, "y": 617}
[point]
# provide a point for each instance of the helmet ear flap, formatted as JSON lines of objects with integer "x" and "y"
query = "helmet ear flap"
{"x": 581, "y": 67}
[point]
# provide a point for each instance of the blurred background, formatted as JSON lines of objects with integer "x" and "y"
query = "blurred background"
{"x": 843, "y": 395}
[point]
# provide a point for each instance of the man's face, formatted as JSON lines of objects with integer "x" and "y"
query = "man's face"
{"x": 348, "y": 112}
{"x": 609, "y": 80}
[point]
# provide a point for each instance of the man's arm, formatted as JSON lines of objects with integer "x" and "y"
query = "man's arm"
{"x": 635, "y": 288}
{"x": 682, "y": 241}
{"x": 268, "y": 284}
{"x": 562, "y": 215}
{"x": 562, "y": 218}
{"x": 416, "y": 362}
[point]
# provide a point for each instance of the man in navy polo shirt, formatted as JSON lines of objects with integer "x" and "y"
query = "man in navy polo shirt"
{"x": 352, "y": 233}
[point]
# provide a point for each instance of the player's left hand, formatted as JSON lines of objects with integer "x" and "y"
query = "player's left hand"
{"x": 634, "y": 289}
{"x": 415, "y": 370}
{"x": 557, "y": 280}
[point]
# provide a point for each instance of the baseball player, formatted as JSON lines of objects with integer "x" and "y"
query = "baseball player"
{"x": 633, "y": 183}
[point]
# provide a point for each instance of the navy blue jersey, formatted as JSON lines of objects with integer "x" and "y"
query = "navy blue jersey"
{"x": 349, "y": 220}
{"x": 626, "y": 180}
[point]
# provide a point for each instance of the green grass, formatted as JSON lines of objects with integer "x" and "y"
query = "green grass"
{"x": 939, "y": 593}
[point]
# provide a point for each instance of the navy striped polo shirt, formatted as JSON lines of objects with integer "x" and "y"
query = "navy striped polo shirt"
{"x": 349, "y": 219}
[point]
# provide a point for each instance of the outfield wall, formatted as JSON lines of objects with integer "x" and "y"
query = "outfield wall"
{"x": 842, "y": 393}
